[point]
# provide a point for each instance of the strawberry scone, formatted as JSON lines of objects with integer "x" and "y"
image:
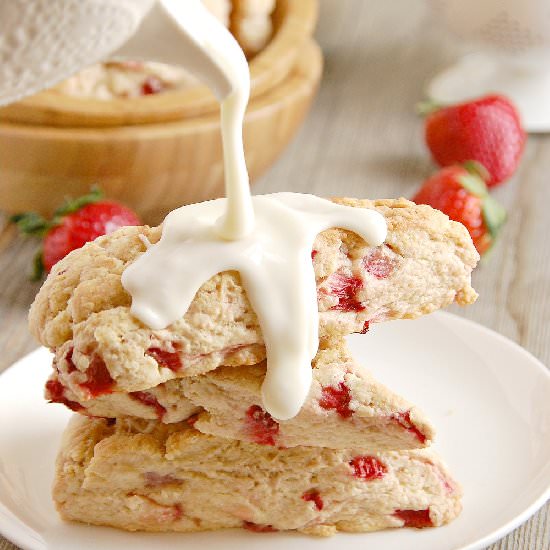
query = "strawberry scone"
{"x": 346, "y": 407}
{"x": 251, "y": 24}
{"x": 154, "y": 477}
{"x": 83, "y": 312}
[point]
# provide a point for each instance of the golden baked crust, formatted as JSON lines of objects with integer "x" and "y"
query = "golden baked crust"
{"x": 153, "y": 477}
{"x": 83, "y": 311}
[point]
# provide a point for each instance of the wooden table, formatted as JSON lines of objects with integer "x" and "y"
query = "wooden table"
{"x": 363, "y": 139}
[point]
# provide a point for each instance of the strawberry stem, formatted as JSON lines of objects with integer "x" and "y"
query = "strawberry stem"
{"x": 473, "y": 184}
{"x": 477, "y": 169}
{"x": 494, "y": 215}
{"x": 72, "y": 205}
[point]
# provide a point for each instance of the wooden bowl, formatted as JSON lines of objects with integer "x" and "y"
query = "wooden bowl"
{"x": 293, "y": 24}
{"x": 152, "y": 167}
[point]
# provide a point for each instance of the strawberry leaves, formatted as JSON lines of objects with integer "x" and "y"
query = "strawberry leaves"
{"x": 73, "y": 205}
{"x": 31, "y": 223}
{"x": 75, "y": 223}
{"x": 461, "y": 192}
{"x": 494, "y": 214}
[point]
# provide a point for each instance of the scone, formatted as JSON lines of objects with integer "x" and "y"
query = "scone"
{"x": 154, "y": 477}
{"x": 251, "y": 24}
{"x": 345, "y": 408}
{"x": 83, "y": 312}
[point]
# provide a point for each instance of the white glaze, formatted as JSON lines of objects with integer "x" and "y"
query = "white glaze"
{"x": 267, "y": 239}
{"x": 276, "y": 270}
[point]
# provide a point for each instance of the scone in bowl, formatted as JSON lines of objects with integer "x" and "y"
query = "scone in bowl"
{"x": 157, "y": 152}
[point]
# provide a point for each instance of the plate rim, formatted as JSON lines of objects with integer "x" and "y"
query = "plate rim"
{"x": 538, "y": 503}
{"x": 17, "y": 532}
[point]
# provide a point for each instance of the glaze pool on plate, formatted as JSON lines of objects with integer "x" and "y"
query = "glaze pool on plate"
{"x": 487, "y": 397}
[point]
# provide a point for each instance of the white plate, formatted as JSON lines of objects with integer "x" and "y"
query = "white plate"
{"x": 488, "y": 398}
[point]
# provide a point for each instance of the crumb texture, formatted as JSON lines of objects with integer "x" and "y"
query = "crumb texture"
{"x": 139, "y": 475}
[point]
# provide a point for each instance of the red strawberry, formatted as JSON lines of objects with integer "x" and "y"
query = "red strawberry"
{"x": 460, "y": 192}
{"x": 487, "y": 130}
{"x": 151, "y": 85}
{"x": 73, "y": 225}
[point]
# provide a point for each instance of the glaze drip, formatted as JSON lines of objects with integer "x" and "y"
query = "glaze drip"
{"x": 274, "y": 262}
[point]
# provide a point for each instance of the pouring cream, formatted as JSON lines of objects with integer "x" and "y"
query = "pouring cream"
{"x": 274, "y": 262}
{"x": 268, "y": 239}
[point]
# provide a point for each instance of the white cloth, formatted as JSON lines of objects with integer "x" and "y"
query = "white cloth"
{"x": 44, "y": 41}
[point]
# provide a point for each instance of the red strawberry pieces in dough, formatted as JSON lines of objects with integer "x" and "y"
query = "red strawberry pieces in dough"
{"x": 378, "y": 264}
{"x": 338, "y": 399}
{"x": 404, "y": 420}
{"x": 260, "y": 426}
{"x": 71, "y": 367}
{"x": 192, "y": 419}
{"x": 345, "y": 288}
{"x": 99, "y": 380}
{"x": 368, "y": 467}
{"x": 257, "y": 528}
{"x": 55, "y": 392}
{"x": 163, "y": 513}
{"x": 415, "y": 518}
{"x": 167, "y": 359}
{"x": 150, "y": 400}
{"x": 315, "y": 497}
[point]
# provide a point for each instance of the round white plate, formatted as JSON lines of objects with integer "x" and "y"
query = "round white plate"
{"x": 488, "y": 398}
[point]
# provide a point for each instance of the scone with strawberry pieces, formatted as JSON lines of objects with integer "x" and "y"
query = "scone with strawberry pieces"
{"x": 251, "y": 24}
{"x": 346, "y": 407}
{"x": 155, "y": 477}
{"x": 82, "y": 311}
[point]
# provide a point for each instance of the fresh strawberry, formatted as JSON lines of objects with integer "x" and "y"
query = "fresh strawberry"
{"x": 461, "y": 193}
{"x": 73, "y": 225}
{"x": 487, "y": 130}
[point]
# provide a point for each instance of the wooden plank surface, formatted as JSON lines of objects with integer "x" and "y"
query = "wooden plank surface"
{"x": 363, "y": 139}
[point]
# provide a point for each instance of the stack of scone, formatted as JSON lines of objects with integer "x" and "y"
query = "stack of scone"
{"x": 171, "y": 434}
